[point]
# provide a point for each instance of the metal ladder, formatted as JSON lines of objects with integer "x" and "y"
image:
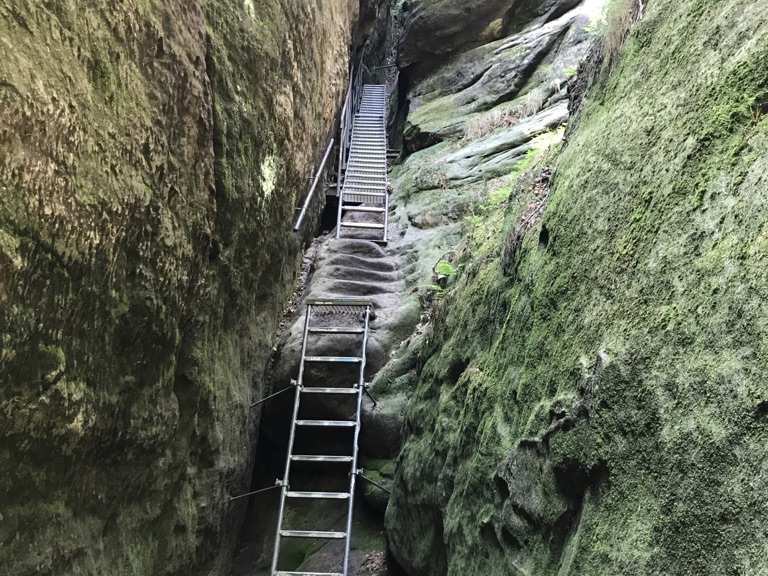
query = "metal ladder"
{"x": 365, "y": 179}
{"x": 349, "y": 316}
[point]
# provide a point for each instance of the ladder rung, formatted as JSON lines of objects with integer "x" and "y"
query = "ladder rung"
{"x": 362, "y": 192}
{"x": 327, "y": 423}
{"x": 320, "y": 458}
{"x": 368, "y": 172}
{"x": 318, "y": 390}
{"x": 343, "y": 359}
{"x": 375, "y": 184}
{"x": 330, "y": 302}
{"x": 363, "y": 225}
{"x": 283, "y": 573}
{"x": 313, "y": 534}
{"x": 363, "y": 209}
{"x": 319, "y": 495}
{"x": 367, "y": 188}
{"x": 336, "y": 330}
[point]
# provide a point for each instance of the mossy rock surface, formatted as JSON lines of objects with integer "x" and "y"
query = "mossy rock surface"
{"x": 600, "y": 407}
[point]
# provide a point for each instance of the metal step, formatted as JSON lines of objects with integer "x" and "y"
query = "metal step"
{"x": 374, "y": 185}
{"x": 363, "y": 225}
{"x": 313, "y": 534}
{"x": 363, "y": 192}
{"x": 321, "y": 458}
{"x": 376, "y": 170}
{"x": 362, "y": 209}
{"x": 341, "y": 359}
{"x": 284, "y": 573}
{"x": 368, "y": 165}
{"x": 319, "y": 495}
{"x": 359, "y": 179}
{"x": 327, "y": 423}
{"x": 336, "y": 331}
{"x": 367, "y": 170}
{"x": 331, "y": 302}
{"x": 318, "y": 390}
{"x": 372, "y": 176}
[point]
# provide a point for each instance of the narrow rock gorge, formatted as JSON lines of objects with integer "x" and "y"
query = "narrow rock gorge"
{"x": 566, "y": 353}
{"x": 151, "y": 154}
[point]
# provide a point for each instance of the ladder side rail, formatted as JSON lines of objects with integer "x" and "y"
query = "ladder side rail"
{"x": 353, "y": 474}
{"x": 340, "y": 210}
{"x": 284, "y": 487}
{"x": 350, "y": 120}
{"x": 343, "y": 141}
{"x": 386, "y": 177}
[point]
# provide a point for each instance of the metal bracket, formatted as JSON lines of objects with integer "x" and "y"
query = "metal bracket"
{"x": 373, "y": 482}
{"x": 275, "y": 395}
{"x": 366, "y": 386}
{"x": 254, "y": 492}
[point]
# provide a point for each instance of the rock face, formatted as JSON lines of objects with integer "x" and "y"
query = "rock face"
{"x": 436, "y": 28}
{"x": 592, "y": 397}
{"x": 151, "y": 155}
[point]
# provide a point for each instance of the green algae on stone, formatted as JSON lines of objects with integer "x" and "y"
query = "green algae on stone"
{"x": 602, "y": 411}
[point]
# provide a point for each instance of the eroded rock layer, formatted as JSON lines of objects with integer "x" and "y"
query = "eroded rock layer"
{"x": 592, "y": 396}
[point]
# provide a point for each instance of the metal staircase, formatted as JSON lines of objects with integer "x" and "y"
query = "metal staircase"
{"x": 338, "y": 317}
{"x": 364, "y": 199}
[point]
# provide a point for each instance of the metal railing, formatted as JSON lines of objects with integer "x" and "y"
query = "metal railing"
{"x": 352, "y": 101}
{"x": 316, "y": 181}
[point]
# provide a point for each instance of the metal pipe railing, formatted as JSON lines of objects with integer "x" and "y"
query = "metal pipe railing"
{"x": 314, "y": 186}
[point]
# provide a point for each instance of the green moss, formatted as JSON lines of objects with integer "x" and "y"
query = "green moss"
{"x": 639, "y": 300}
{"x": 146, "y": 188}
